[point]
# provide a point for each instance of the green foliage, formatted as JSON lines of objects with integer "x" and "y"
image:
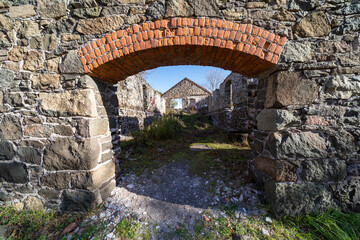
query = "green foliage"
{"x": 332, "y": 225}
{"x": 126, "y": 229}
{"x": 166, "y": 127}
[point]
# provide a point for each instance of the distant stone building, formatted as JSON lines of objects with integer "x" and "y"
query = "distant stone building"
{"x": 185, "y": 95}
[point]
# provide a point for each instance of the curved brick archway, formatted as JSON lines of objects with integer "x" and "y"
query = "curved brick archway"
{"x": 241, "y": 48}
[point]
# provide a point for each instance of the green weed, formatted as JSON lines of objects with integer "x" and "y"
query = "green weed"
{"x": 126, "y": 229}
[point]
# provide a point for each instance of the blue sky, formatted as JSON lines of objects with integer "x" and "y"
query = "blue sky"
{"x": 163, "y": 78}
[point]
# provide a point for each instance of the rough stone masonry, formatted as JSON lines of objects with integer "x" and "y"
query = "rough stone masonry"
{"x": 58, "y": 121}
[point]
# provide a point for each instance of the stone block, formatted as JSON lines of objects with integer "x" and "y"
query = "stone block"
{"x": 276, "y": 119}
{"x": 72, "y": 154}
{"x": 278, "y": 170}
{"x": 314, "y": 24}
{"x": 29, "y": 155}
{"x": 323, "y": 170}
{"x": 28, "y": 28}
{"x": 34, "y": 60}
{"x": 10, "y": 127}
{"x": 205, "y": 8}
{"x": 49, "y": 193}
{"x": 69, "y": 103}
{"x": 13, "y": 172}
{"x": 5, "y": 23}
{"x": 78, "y": 200}
{"x": 45, "y": 81}
{"x": 51, "y": 8}
{"x": 14, "y": 99}
{"x": 106, "y": 189}
{"x": 298, "y": 198}
{"x": 33, "y": 204}
{"x": 59, "y": 180}
{"x": 297, "y": 145}
{"x": 87, "y": 12}
{"x": 6, "y": 78}
{"x": 178, "y": 8}
{"x": 92, "y": 180}
{"x": 7, "y": 151}
{"x": 348, "y": 193}
{"x": 93, "y": 127}
{"x": 297, "y": 52}
{"x": 289, "y": 88}
{"x": 344, "y": 142}
{"x": 45, "y": 42}
{"x": 99, "y": 25}
{"x": 40, "y": 131}
{"x": 23, "y": 11}
{"x": 71, "y": 63}
{"x": 16, "y": 54}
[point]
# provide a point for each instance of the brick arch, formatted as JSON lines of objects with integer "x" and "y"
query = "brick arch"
{"x": 241, "y": 48}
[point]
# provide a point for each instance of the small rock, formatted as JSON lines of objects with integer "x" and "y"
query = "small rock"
{"x": 268, "y": 220}
{"x": 265, "y": 232}
{"x": 130, "y": 186}
{"x": 237, "y": 214}
{"x": 69, "y": 228}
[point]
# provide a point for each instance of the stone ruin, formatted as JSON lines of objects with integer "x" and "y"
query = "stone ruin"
{"x": 61, "y": 62}
{"x": 190, "y": 93}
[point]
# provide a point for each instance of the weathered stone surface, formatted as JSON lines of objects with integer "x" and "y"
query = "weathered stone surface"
{"x": 296, "y": 199}
{"x": 99, "y": 25}
{"x": 297, "y": 145}
{"x": 51, "y": 8}
{"x": 6, "y": 78}
{"x": 10, "y": 127}
{"x": 71, "y": 63}
{"x": 70, "y": 37}
{"x": 289, "y": 88}
{"x": 16, "y": 54}
{"x": 13, "y": 66}
{"x": 78, "y": 200}
{"x": 341, "y": 87}
{"x": 324, "y": 170}
{"x": 205, "y": 8}
{"x": 46, "y": 42}
{"x": 53, "y": 64}
{"x": 65, "y": 25}
{"x": 93, "y": 127}
{"x": 14, "y": 99}
{"x": 13, "y": 172}
{"x": 95, "y": 179}
{"x": 49, "y": 193}
{"x": 59, "y": 180}
{"x": 33, "y": 203}
{"x": 118, "y": 2}
{"x": 34, "y": 60}
{"x": 6, "y": 150}
{"x": 313, "y": 25}
{"x": 276, "y": 119}
{"x": 70, "y": 103}
{"x": 40, "y": 131}
{"x": 156, "y": 10}
{"x": 45, "y": 81}
{"x": 30, "y": 155}
{"x": 350, "y": 24}
{"x": 284, "y": 15}
{"x": 351, "y": 8}
{"x": 317, "y": 120}
{"x": 239, "y": 14}
{"x": 63, "y": 130}
{"x": 331, "y": 47}
{"x": 87, "y": 12}
{"x": 305, "y": 5}
{"x": 178, "y": 8}
{"x": 28, "y": 28}
{"x": 297, "y": 52}
{"x": 278, "y": 170}
{"x": 348, "y": 192}
{"x": 72, "y": 154}
{"x": 114, "y": 10}
{"x": 349, "y": 60}
{"x": 23, "y": 11}
{"x": 5, "y": 23}
{"x": 262, "y": 14}
{"x": 344, "y": 142}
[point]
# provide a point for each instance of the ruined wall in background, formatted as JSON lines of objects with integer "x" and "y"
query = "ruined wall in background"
{"x": 138, "y": 104}
{"x": 228, "y": 106}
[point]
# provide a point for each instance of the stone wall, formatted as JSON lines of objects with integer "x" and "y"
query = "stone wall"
{"x": 187, "y": 90}
{"x": 229, "y": 105}
{"x": 305, "y": 137}
{"x": 138, "y": 104}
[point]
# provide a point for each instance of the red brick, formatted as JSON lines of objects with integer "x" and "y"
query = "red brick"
{"x": 128, "y": 40}
{"x": 207, "y": 22}
{"x": 252, "y": 50}
{"x": 208, "y": 32}
{"x": 202, "y": 22}
{"x": 188, "y": 39}
{"x": 95, "y": 64}
{"x": 217, "y": 42}
{"x": 278, "y": 49}
{"x": 213, "y": 22}
{"x": 88, "y": 58}
{"x": 254, "y": 30}
{"x": 97, "y": 52}
{"x": 145, "y": 36}
{"x": 261, "y": 42}
{"x": 116, "y": 54}
{"x": 193, "y": 40}
{"x": 83, "y": 60}
{"x": 190, "y": 22}
{"x": 229, "y": 44}
{"x": 246, "y": 48}
{"x": 137, "y": 46}
{"x": 219, "y": 23}
{"x": 237, "y": 26}
{"x": 108, "y": 38}
{"x": 93, "y": 44}
{"x": 282, "y": 41}
{"x": 157, "y": 24}
{"x": 173, "y": 22}
{"x": 139, "y": 37}
{"x": 105, "y": 58}
{"x": 118, "y": 43}
{"x": 232, "y": 35}
{"x": 238, "y": 36}
{"x": 269, "y": 56}
{"x": 113, "y": 35}
{"x": 151, "y": 34}
{"x": 100, "y": 61}
{"x": 119, "y": 33}
{"x": 92, "y": 55}
{"x": 152, "y": 26}
{"x": 109, "y": 55}
{"x": 242, "y": 28}
{"x": 134, "y": 38}
{"x": 182, "y": 40}
{"x": 86, "y": 69}
{"x": 226, "y": 34}
{"x": 215, "y": 32}
{"x": 107, "y": 47}
{"x": 272, "y": 48}
{"x": 220, "y": 33}
{"x": 275, "y": 59}
{"x": 135, "y": 28}
{"x": 146, "y": 26}
{"x": 248, "y": 28}
{"x": 271, "y": 37}
{"x": 197, "y": 31}
{"x": 88, "y": 47}
{"x": 84, "y": 50}
{"x": 123, "y": 41}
